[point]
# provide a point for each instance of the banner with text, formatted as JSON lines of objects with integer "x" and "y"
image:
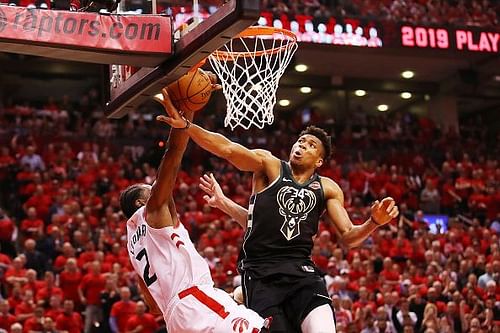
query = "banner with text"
{"x": 143, "y": 34}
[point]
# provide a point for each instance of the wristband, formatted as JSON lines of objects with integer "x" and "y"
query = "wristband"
{"x": 188, "y": 123}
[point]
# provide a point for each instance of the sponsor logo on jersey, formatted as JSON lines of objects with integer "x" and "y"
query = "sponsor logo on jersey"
{"x": 315, "y": 185}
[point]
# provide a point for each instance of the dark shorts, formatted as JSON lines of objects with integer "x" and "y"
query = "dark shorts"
{"x": 287, "y": 299}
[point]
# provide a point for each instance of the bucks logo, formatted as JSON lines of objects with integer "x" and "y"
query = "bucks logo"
{"x": 294, "y": 205}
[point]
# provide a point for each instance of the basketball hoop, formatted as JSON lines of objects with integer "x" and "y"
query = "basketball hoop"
{"x": 249, "y": 67}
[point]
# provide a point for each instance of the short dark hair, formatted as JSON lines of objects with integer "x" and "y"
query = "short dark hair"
{"x": 321, "y": 134}
{"x": 128, "y": 198}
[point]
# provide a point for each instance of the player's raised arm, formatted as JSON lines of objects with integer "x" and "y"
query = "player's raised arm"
{"x": 161, "y": 193}
{"x": 354, "y": 235}
{"x": 215, "y": 197}
{"x": 241, "y": 157}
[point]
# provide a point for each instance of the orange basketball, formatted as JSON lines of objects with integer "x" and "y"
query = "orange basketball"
{"x": 192, "y": 91}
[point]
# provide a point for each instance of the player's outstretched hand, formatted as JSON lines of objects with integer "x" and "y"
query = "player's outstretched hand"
{"x": 384, "y": 211}
{"x": 174, "y": 119}
{"x": 214, "y": 195}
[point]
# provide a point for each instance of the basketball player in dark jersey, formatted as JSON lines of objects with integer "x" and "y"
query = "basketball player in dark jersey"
{"x": 278, "y": 276}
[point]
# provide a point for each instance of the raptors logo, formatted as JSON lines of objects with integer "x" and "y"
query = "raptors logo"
{"x": 294, "y": 206}
{"x": 240, "y": 325}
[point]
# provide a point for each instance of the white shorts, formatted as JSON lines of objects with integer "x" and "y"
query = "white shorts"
{"x": 205, "y": 309}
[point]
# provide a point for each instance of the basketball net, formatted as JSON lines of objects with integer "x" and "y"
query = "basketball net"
{"x": 249, "y": 68}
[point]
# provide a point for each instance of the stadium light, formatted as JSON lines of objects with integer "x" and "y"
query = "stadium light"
{"x": 284, "y": 102}
{"x": 383, "y": 107}
{"x": 408, "y": 74}
{"x": 305, "y": 90}
{"x": 360, "y": 92}
{"x": 301, "y": 68}
{"x": 406, "y": 95}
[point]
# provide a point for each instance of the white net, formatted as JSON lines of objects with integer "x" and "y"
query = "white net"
{"x": 249, "y": 68}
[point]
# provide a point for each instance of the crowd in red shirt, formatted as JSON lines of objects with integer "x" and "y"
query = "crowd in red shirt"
{"x": 63, "y": 259}
{"x": 455, "y": 12}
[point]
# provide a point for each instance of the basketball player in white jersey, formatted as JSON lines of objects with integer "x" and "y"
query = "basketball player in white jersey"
{"x": 174, "y": 277}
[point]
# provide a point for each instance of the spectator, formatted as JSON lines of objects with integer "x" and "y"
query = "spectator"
{"x": 404, "y": 315}
{"x": 49, "y": 289}
{"x": 7, "y": 229}
{"x": 54, "y": 309}
{"x": 486, "y": 277}
{"x": 89, "y": 291}
{"x": 141, "y": 322}
{"x": 430, "y": 198}
{"x": 431, "y": 320}
{"x": 109, "y": 296}
{"x": 34, "y": 258}
{"x": 121, "y": 311}
{"x": 32, "y": 226}
{"x": 6, "y": 319}
{"x": 69, "y": 320}
{"x": 16, "y": 328}
{"x": 35, "y": 323}
{"x": 69, "y": 281}
{"x": 33, "y": 160}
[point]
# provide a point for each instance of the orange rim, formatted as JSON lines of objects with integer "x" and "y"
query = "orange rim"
{"x": 255, "y": 32}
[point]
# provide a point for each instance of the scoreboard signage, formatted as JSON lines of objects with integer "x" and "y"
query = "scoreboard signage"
{"x": 473, "y": 40}
{"x": 362, "y": 32}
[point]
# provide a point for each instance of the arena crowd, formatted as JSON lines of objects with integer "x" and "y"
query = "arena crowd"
{"x": 63, "y": 261}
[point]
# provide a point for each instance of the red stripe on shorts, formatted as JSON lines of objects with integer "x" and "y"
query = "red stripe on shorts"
{"x": 211, "y": 303}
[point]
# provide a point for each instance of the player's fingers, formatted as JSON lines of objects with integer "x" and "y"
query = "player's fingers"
{"x": 216, "y": 86}
{"x": 375, "y": 204}
{"x": 205, "y": 189}
{"x": 213, "y": 179}
{"x": 204, "y": 183}
{"x": 164, "y": 119}
{"x": 164, "y": 93}
{"x": 206, "y": 198}
{"x": 207, "y": 178}
{"x": 169, "y": 107}
{"x": 390, "y": 206}
{"x": 211, "y": 76}
{"x": 394, "y": 212}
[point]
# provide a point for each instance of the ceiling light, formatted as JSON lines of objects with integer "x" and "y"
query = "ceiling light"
{"x": 408, "y": 74}
{"x": 360, "y": 92}
{"x": 406, "y": 95}
{"x": 305, "y": 90}
{"x": 383, "y": 107}
{"x": 284, "y": 102}
{"x": 301, "y": 68}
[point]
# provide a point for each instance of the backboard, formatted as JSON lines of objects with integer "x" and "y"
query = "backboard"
{"x": 219, "y": 23}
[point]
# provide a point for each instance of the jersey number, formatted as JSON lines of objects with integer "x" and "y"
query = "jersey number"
{"x": 149, "y": 280}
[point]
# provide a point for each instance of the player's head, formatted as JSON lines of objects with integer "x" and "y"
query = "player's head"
{"x": 134, "y": 197}
{"x": 311, "y": 149}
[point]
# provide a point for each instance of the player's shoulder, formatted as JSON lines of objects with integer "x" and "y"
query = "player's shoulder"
{"x": 330, "y": 187}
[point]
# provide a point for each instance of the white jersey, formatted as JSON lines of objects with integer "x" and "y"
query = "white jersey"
{"x": 179, "y": 280}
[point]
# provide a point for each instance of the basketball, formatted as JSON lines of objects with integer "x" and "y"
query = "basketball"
{"x": 192, "y": 91}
